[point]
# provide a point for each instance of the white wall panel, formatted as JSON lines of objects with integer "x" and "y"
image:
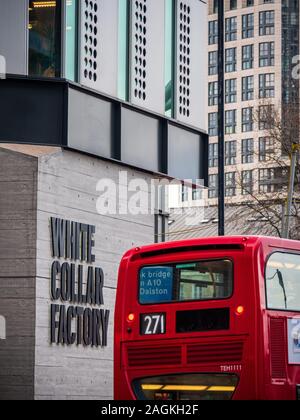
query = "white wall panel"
{"x": 13, "y": 35}
{"x": 191, "y": 62}
{"x": 99, "y": 45}
{"x": 147, "y": 54}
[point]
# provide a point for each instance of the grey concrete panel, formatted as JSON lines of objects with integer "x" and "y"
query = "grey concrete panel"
{"x": 184, "y": 154}
{"x": 17, "y": 273}
{"x": 89, "y": 124}
{"x": 140, "y": 140}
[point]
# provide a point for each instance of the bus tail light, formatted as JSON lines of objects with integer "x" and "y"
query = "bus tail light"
{"x": 131, "y": 317}
{"x": 240, "y": 310}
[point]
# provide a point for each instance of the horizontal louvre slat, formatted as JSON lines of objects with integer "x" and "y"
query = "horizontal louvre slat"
{"x": 277, "y": 339}
{"x": 196, "y": 354}
{"x": 214, "y": 353}
{"x": 141, "y": 356}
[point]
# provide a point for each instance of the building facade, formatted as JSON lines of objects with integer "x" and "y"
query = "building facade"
{"x": 99, "y": 100}
{"x": 261, "y": 45}
{"x": 261, "y": 49}
{"x": 40, "y": 359}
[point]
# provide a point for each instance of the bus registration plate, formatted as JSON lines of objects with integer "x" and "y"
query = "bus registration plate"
{"x": 153, "y": 324}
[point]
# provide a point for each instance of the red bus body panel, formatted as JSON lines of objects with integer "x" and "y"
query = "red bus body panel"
{"x": 250, "y": 348}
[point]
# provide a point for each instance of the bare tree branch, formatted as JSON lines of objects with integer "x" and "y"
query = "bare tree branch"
{"x": 266, "y": 198}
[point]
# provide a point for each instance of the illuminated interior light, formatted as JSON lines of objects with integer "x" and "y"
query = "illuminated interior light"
{"x": 193, "y": 388}
{"x": 146, "y": 387}
{"x": 43, "y": 4}
{"x": 221, "y": 389}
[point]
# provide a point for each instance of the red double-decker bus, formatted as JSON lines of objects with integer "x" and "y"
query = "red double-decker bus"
{"x": 208, "y": 319}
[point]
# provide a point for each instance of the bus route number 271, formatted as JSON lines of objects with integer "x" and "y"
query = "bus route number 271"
{"x": 153, "y": 324}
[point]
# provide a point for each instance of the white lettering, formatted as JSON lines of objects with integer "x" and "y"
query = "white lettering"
{"x": 2, "y": 328}
{"x": 2, "y": 67}
{"x": 107, "y": 202}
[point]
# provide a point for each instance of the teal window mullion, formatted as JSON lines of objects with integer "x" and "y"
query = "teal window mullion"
{"x": 123, "y": 61}
{"x": 170, "y": 34}
{"x": 71, "y": 40}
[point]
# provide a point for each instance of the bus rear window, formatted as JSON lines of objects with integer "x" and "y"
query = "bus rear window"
{"x": 283, "y": 282}
{"x": 202, "y": 280}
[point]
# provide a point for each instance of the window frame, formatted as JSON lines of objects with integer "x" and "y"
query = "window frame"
{"x": 277, "y": 251}
{"x": 59, "y": 41}
{"x": 181, "y": 302}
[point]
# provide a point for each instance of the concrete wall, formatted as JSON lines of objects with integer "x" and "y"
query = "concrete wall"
{"x": 67, "y": 189}
{"x": 33, "y": 189}
{"x": 18, "y": 175}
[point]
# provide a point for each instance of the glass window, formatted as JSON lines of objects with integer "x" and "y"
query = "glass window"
{"x": 266, "y": 180}
{"x": 247, "y": 88}
{"x": 247, "y": 119}
{"x": 273, "y": 180}
{"x": 233, "y": 4}
{"x": 230, "y": 153}
{"x": 169, "y": 59}
{"x": 266, "y": 54}
{"x": 212, "y": 63}
{"x": 267, "y": 22}
{"x": 213, "y": 155}
{"x": 230, "y": 121}
{"x": 247, "y": 151}
{"x": 45, "y": 38}
{"x": 247, "y": 182}
{"x": 283, "y": 282}
{"x": 248, "y": 26}
{"x": 213, "y": 124}
{"x": 213, "y": 32}
{"x": 230, "y": 91}
{"x": 230, "y": 60}
{"x": 247, "y": 57}
{"x": 267, "y": 85}
{"x": 197, "y": 193}
{"x": 231, "y": 29}
{"x": 71, "y": 39}
{"x": 230, "y": 184}
{"x": 184, "y": 193}
{"x": 213, "y": 93}
{"x": 203, "y": 280}
{"x": 266, "y": 148}
{"x": 213, "y": 186}
{"x": 215, "y": 6}
{"x": 266, "y": 117}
